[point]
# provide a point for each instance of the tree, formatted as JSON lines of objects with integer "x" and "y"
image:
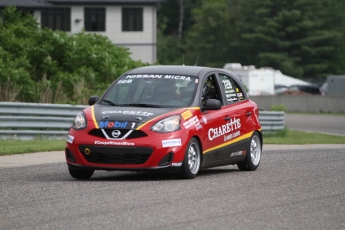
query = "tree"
{"x": 298, "y": 37}
{"x": 174, "y": 19}
{"x": 302, "y": 38}
{"x": 214, "y": 37}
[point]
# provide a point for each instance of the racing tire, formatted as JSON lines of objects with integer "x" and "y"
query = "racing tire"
{"x": 192, "y": 160}
{"x": 253, "y": 155}
{"x": 80, "y": 174}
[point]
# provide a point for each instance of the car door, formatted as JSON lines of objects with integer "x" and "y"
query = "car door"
{"x": 212, "y": 122}
{"x": 240, "y": 110}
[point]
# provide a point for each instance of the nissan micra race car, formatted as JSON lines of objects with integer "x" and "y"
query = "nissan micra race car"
{"x": 176, "y": 119}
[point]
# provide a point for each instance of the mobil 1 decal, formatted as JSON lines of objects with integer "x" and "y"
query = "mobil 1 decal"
{"x": 117, "y": 125}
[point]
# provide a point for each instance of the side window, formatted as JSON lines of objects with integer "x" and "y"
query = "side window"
{"x": 210, "y": 89}
{"x": 232, "y": 90}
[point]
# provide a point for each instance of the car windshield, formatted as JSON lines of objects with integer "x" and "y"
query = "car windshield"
{"x": 151, "y": 90}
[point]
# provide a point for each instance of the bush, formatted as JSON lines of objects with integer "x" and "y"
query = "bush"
{"x": 42, "y": 65}
{"x": 279, "y": 107}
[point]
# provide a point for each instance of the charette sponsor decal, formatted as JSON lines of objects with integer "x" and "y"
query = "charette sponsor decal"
{"x": 232, "y": 126}
{"x": 231, "y": 135}
{"x": 171, "y": 142}
{"x": 70, "y": 139}
{"x": 126, "y": 112}
{"x": 113, "y": 143}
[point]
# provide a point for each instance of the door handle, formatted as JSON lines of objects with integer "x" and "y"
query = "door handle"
{"x": 227, "y": 118}
{"x": 248, "y": 114}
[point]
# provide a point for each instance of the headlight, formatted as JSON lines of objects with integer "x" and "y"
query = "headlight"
{"x": 168, "y": 124}
{"x": 80, "y": 121}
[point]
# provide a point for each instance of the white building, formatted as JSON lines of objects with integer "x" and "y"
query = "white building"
{"x": 129, "y": 23}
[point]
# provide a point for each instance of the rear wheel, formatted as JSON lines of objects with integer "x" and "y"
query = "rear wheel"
{"x": 253, "y": 155}
{"x": 191, "y": 163}
{"x": 80, "y": 174}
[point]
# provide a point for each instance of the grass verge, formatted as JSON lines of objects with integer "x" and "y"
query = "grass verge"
{"x": 294, "y": 137}
{"x": 289, "y": 137}
{"x": 9, "y": 147}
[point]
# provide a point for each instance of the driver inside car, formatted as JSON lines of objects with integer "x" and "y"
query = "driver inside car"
{"x": 165, "y": 91}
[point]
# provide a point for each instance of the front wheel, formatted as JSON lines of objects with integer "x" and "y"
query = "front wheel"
{"x": 80, "y": 174}
{"x": 253, "y": 155}
{"x": 191, "y": 163}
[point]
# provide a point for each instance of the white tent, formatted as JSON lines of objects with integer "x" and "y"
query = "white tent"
{"x": 282, "y": 79}
{"x": 263, "y": 81}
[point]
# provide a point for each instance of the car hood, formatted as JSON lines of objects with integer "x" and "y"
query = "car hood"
{"x": 130, "y": 114}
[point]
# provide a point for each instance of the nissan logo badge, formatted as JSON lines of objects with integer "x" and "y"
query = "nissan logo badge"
{"x": 116, "y": 133}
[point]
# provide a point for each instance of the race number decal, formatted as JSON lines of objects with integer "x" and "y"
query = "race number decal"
{"x": 227, "y": 84}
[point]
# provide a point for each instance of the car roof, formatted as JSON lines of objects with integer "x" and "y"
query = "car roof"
{"x": 171, "y": 69}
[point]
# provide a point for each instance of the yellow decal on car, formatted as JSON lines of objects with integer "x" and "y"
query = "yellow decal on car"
{"x": 93, "y": 116}
{"x": 187, "y": 114}
{"x": 245, "y": 136}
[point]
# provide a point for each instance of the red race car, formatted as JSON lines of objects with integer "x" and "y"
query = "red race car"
{"x": 176, "y": 119}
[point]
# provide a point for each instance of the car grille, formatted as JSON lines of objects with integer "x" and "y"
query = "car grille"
{"x": 115, "y": 155}
{"x": 133, "y": 134}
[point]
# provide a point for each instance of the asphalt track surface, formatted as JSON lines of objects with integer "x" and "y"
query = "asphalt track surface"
{"x": 295, "y": 187}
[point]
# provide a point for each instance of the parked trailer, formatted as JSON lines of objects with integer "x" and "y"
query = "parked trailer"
{"x": 258, "y": 81}
{"x": 336, "y": 85}
{"x": 262, "y": 81}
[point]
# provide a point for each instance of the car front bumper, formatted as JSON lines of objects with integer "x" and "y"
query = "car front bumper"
{"x": 146, "y": 153}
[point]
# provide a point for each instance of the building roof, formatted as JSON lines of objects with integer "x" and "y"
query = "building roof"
{"x": 25, "y": 3}
{"x": 50, "y": 3}
{"x": 104, "y": 1}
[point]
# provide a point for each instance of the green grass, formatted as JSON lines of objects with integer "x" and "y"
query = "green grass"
{"x": 9, "y": 147}
{"x": 294, "y": 137}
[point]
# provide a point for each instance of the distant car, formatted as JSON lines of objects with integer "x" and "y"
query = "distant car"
{"x": 279, "y": 89}
{"x": 324, "y": 88}
{"x": 175, "y": 119}
{"x": 301, "y": 89}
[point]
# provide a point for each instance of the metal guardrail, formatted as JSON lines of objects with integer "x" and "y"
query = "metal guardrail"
{"x": 272, "y": 121}
{"x": 26, "y": 121}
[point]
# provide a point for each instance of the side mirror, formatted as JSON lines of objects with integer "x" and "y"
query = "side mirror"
{"x": 93, "y": 100}
{"x": 212, "y": 104}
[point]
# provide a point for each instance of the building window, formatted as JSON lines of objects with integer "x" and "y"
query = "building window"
{"x": 57, "y": 19}
{"x": 94, "y": 19}
{"x": 132, "y": 19}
